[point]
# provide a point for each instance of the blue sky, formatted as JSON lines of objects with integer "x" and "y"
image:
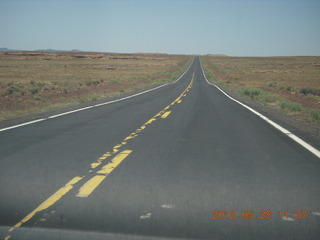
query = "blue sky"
{"x": 232, "y": 27}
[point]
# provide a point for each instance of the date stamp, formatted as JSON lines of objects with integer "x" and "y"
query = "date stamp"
{"x": 263, "y": 214}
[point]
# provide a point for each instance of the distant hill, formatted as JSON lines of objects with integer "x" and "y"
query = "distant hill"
{"x": 55, "y": 50}
{"x": 217, "y": 55}
{"x": 39, "y": 50}
{"x": 7, "y": 50}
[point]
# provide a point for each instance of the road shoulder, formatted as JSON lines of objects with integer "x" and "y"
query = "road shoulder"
{"x": 306, "y": 130}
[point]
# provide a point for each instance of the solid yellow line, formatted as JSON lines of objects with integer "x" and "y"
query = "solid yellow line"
{"x": 94, "y": 182}
{"x": 50, "y": 201}
{"x": 166, "y": 114}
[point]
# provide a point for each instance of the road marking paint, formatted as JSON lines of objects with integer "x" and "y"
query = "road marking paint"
{"x": 141, "y": 128}
{"x": 168, "y": 206}
{"x": 295, "y": 138}
{"x": 115, "y": 151}
{"x": 166, "y": 114}
{"x": 23, "y": 124}
{"x": 7, "y": 237}
{"x": 114, "y": 162}
{"x": 96, "y": 105}
{"x": 96, "y": 164}
{"x": 90, "y": 186}
{"x": 73, "y": 111}
{"x": 49, "y": 202}
{"x": 289, "y": 219}
{"x": 95, "y": 181}
{"x": 184, "y": 72}
{"x": 145, "y": 216}
{"x": 179, "y": 101}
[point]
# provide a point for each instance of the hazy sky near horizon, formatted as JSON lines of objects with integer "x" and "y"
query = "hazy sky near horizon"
{"x": 231, "y": 27}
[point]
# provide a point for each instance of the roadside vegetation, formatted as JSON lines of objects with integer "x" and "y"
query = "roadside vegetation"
{"x": 35, "y": 82}
{"x": 289, "y": 84}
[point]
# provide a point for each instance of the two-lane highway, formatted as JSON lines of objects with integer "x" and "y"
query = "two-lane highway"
{"x": 182, "y": 161}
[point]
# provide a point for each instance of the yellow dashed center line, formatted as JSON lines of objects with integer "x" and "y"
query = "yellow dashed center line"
{"x": 49, "y": 202}
{"x": 163, "y": 114}
{"x": 94, "y": 182}
{"x": 90, "y": 186}
{"x": 166, "y": 114}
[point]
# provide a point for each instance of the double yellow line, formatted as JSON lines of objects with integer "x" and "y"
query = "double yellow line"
{"x": 88, "y": 187}
{"x": 95, "y": 181}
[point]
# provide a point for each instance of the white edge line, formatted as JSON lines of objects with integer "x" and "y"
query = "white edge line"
{"x": 184, "y": 72}
{"x": 97, "y": 105}
{"x": 298, "y": 140}
{"x": 22, "y": 124}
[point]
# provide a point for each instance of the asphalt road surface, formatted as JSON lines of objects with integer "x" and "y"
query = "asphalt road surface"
{"x": 180, "y": 162}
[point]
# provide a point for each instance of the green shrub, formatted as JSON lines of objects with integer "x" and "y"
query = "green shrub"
{"x": 268, "y": 97}
{"x": 114, "y": 80}
{"x": 88, "y": 82}
{"x": 210, "y": 76}
{"x": 272, "y": 84}
{"x": 95, "y": 97}
{"x": 37, "y": 97}
{"x": 308, "y": 90}
{"x": 34, "y": 90}
{"x": 291, "y": 106}
{"x": 315, "y": 115}
{"x": 15, "y": 88}
{"x": 289, "y": 88}
{"x": 251, "y": 92}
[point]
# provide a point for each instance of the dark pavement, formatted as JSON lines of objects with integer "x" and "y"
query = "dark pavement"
{"x": 187, "y": 151}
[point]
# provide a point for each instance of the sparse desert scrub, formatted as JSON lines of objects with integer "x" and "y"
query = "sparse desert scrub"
{"x": 32, "y": 82}
{"x": 291, "y": 84}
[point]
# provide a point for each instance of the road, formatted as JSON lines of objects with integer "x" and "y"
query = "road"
{"x": 158, "y": 166}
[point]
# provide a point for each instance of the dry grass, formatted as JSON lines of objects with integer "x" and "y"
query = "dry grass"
{"x": 37, "y": 81}
{"x": 288, "y": 81}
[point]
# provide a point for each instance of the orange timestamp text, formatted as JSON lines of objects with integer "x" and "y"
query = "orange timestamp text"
{"x": 264, "y": 214}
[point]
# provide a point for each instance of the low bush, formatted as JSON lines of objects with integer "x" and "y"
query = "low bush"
{"x": 308, "y": 90}
{"x": 268, "y": 97}
{"x": 34, "y": 90}
{"x": 315, "y": 115}
{"x": 291, "y": 106}
{"x": 95, "y": 97}
{"x": 15, "y": 88}
{"x": 37, "y": 97}
{"x": 272, "y": 84}
{"x": 251, "y": 92}
{"x": 210, "y": 76}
